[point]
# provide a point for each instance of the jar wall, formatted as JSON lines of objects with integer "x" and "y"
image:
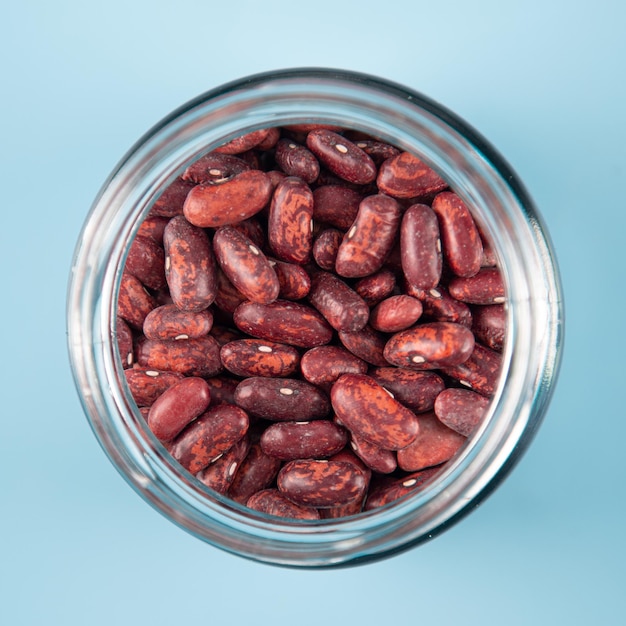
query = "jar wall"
{"x": 472, "y": 168}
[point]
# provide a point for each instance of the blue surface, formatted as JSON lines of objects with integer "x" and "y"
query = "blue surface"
{"x": 544, "y": 81}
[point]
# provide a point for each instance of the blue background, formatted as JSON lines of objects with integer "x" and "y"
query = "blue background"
{"x": 544, "y": 81}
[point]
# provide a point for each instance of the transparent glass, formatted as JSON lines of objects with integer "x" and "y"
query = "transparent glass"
{"x": 473, "y": 169}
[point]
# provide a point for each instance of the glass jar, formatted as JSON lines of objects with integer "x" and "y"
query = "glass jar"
{"x": 501, "y": 206}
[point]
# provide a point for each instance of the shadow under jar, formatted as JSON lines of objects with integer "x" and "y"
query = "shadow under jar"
{"x": 108, "y": 305}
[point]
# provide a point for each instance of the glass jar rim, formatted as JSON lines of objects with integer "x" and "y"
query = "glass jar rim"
{"x": 472, "y": 167}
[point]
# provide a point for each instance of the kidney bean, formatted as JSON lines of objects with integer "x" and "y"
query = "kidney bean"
{"x": 219, "y": 475}
{"x": 256, "y": 472}
{"x": 366, "y": 344}
{"x": 252, "y": 229}
{"x": 146, "y": 385}
{"x": 244, "y": 142}
{"x": 191, "y": 357}
{"x": 485, "y": 287}
{"x": 256, "y": 357}
{"x": 430, "y": 346}
{"x": 272, "y": 502}
{"x": 376, "y": 287}
{"x": 414, "y": 389}
{"x": 480, "y": 372}
{"x": 272, "y": 137}
{"x": 294, "y": 281}
{"x": 296, "y": 160}
{"x": 389, "y": 491}
{"x": 289, "y": 441}
{"x": 420, "y": 246}
{"x": 222, "y": 389}
{"x": 325, "y": 364}
{"x": 223, "y": 335}
{"x": 396, "y": 313}
{"x": 406, "y": 176}
{"x": 325, "y": 248}
{"x": 377, "y": 150}
{"x": 235, "y": 200}
{"x": 152, "y": 228}
{"x": 171, "y": 200}
{"x": 133, "y": 301}
{"x": 190, "y": 267}
{"x": 370, "y": 238}
{"x": 376, "y": 458}
{"x": 336, "y": 205}
{"x": 440, "y": 306}
{"x": 214, "y": 168}
{"x": 169, "y": 322}
{"x": 227, "y": 296}
{"x": 341, "y": 156}
{"x": 209, "y": 436}
{"x": 320, "y": 483}
{"x": 245, "y": 266}
{"x": 124, "y": 341}
{"x": 369, "y": 411}
{"x": 435, "y": 444}
{"x": 341, "y": 306}
{"x": 289, "y": 224}
{"x": 489, "y": 325}
{"x": 177, "y": 406}
{"x": 462, "y": 246}
{"x": 146, "y": 261}
{"x": 284, "y": 322}
{"x": 282, "y": 399}
{"x": 461, "y": 410}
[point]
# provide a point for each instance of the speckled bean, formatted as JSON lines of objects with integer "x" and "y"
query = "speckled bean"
{"x": 415, "y": 390}
{"x": 191, "y": 357}
{"x": 256, "y": 472}
{"x": 376, "y": 458}
{"x": 485, "y": 287}
{"x": 366, "y": 344}
{"x": 420, "y": 245}
{"x": 396, "y": 313}
{"x": 296, "y": 160}
{"x": 169, "y": 322}
{"x": 272, "y": 502}
{"x": 376, "y": 287}
{"x": 214, "y": 168}
{"x": 479, "y": 372}
{"x": 489, "y": 325}
{"x": 461, "y": 410}
{"x": 219, "y": 474}
{"x": 256, "y": 357}
{"x": 146, "y": 261}
{"x": 289, "y": 441}
{"x": 406, "y": 176}
{"x": 325, "y": 248}
{"x": 294, "y": 281}
{"x": 134, "y": 302}
{"x": 323, "y": 365}
{"x": 146, "y": 385}
{"x": 336, "y": 205}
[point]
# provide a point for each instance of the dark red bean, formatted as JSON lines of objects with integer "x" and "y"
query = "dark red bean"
{"x": 294, "y": 281}
{"x": 296, "y": 160}
{"x": 320, "y": 484}
{"x": 485, "y": 287}
{"x": 377, "y": 150}
{"x": 169, "y": 322}
{"x": 336, "y": 205}
{"x": 366, "y": 344}
{"x": 284, "y": 322}
{"x": 480, "y": 372}
{"x": 289, "y": 441}
{"x": 153, "y": 228}
{"x": 341, "y": 156}
{"x": 391, "y": 490}
{"x": 440, "y": 306}
{"x": 396, "y": 313}
{"x": 214, "y": 168}
{"x": 370, "y": 238}
{"x": 461, "y": 410}
{"x": 172, "y": 199}
{"x": 282, "y": 399}
{"x": 420, "y": 246}
{"x": 369, "y": 411}
{"x": 177, "y": 406}
{"x": 325, "y": 248}
{"x": 376, "y": 458}
{"x": 190, "y": 267}
{"x": 222, "y": 389}
{"x": 146, "y": 261}
{"x": 256, "y": 357}
{"x": 272, "y": 502}
{"x": 244, "y": 142}
{"x": 245, "y": 265}
{"x": 256, "y": 472}
{"x": 230, "y": 202}
{"x": 146, "y": 385}
{"x": 133, "y": 301}
{"x": 323, "y": 365}
{"x": 416, "y": 390}
{"x": 124, "y": 340}
{"x": 376, "y": 287}
{"x": 227, "y": 297}
{"x": 290, "y": 225}
{"x": 341, "y": 306}
{"x": 405, "y": 176}
{"x": 219, "y": 475}
{"x": 489, "y": 325}
{"x": 430, "y": 346}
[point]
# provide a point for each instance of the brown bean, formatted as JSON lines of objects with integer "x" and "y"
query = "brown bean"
{"x": 177, "y": 406}
{"x": 396, "y": 313}
{"x": 243, "y": 142}
{"x": 227, "y": 297}
{"x": 230, "y": 202}
{"x": 489, "y": 325}
{"x": 366, "y": 344}
{"x": 256, "y": 472}
{"x": 294, "y": 281}
{"x": 341, "y": 156}
{"x": 146, "y": 385}
{"x": 341, "y": 306}
{"x": 214, "y": 168}
{"x": 222, "y": 389}
{"x": 133, "y": 301}
{"x": 440, "y": 306}
{"x": 434, "y": 444}
{"x": 146, "y": 261}
{"x": 284, "y": 322}
{"x": 485, "y": 287}
{"x": 289, "y": 224}
{"x": 430, "y": 346}
{"x": 303, "y": 440}
{"x": 190, "y": 267}
{"x": 462, "y": 246}
{"x": 377, "y": 150}
{"x": 376, "y": 458}
{"x": 420, "y": 246}
{"x": 369, "y": 411}
{"x": 296, "y": 160}
{"x": 172, "y": 199}
{"x": 245, "y": 265}
{"x": 219, "y": 475}
{"x": 256, "y": 357}
{"x": 191, "y": 357}
{"x": 213, "y": 433}
{"x": 169, "y": 322}
{"x": 389, "y": 491}
{"x": 406, "y": 176}
{"x": 461, "y": 410}
{"x": 415, "y": 390}
{"x": 124, "y": 341}
{"x": 336, "y": 205}
{"x": 323, "y": 365}
{"x": 479, "y": 372}
{"x": 325, "y": 248}
{"x": 321, "y": 484}
{"x": 370, "y": 238}
{"x": 282, "y": 399}
{"x": 376, "y": 287}
{"x": 272, "y": 502}
{"x": 153, "y": 228}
